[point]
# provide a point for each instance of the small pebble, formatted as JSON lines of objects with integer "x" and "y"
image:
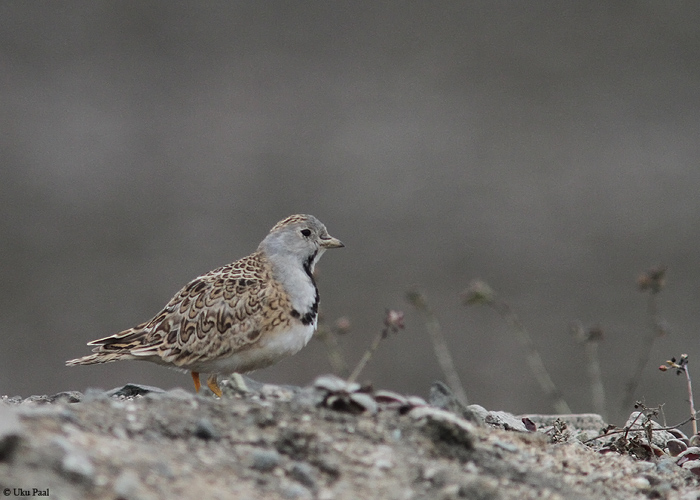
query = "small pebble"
{"x": 333, "y": 384}
{"x": 485, "y": 488}
{"x": 449, "y": 492}
{"x": 11, "y": 431}
{"x": 676, "y": 447}
{"x": 384, "y": 464}
{"x": 506, "y": 446}
{"x": 265, "y": 460}
{"x": 366, "y": 401}
{"x": 94, "y": 394}
{"x": 693, "y": 466}
{"x": 303, "y": 473}
{"x": 641, "y": 483}
{"x": 294, "y": 491}
{"x": 77, "y": 465}
{"x": 204, "y": 429}
{"x": 666, "y": 465}
{"x": 127, "y": 485}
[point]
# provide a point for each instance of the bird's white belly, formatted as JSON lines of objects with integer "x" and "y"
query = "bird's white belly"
{"x": 268, "y": 350}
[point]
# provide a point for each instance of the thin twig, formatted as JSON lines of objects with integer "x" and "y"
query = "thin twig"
{"x": 652, "y": 281}
{"x": 393, "y": 322}
{"x": 442, "y": 351}
{"x": 681, "y": 366}
{"x": 594, "y": 373}
{"x": 367, "y": 356}
{"x": 534, "y": 360}
{"x": 647, "y": 347}
{"x": 690, "y": 398}
{"x": 480, "y": 292}
{"x": 628, "y": 427}
{"x": 590, "y": 339}
{"x": 329, "y": 336}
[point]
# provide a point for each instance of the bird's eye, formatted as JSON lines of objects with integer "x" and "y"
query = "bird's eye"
{"x": 306, "y": 232}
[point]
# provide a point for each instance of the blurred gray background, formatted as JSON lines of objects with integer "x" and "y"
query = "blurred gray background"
{"x": 549, "y": 148}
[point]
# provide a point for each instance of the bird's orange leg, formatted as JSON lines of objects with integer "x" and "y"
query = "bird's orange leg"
{"x": 211, "y": 383}
{"x": 195, "y": 377}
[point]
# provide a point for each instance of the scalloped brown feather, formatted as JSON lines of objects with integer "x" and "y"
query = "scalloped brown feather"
{"x": 215, "y": 315}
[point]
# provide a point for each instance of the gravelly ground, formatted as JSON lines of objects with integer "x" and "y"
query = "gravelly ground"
{"x": 282, "y": 443}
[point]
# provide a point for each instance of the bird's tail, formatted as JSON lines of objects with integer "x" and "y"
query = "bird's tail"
{"x": 99, "y": 357}
{"x": 114, "y": 348}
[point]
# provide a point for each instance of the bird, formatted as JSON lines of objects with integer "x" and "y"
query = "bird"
{"x": 238, "y": 318}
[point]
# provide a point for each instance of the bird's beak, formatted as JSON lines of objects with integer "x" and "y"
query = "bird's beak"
{"x": 331, "y": 242}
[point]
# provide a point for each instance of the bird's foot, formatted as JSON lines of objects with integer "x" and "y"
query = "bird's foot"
{"x": 197, "y": 384}
{"x": 213, "y": 386}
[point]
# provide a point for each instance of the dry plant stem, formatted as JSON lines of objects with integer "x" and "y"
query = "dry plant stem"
{"x": 442, "y": 352}
{"x": 533, "y": 357}
{"x": 656, "y": 331}
{"x": 690, "y": 399}
{"x": 627, "y": 430}
{"x": 335, "y": 354}
{"x": 368, "y": 355}
{"x": 594, "y": 373}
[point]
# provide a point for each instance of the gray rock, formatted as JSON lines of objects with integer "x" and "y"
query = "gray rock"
{"x": 658, "y": 437}
{"x": 11, "y": 431}
{"x": 94, "y": 394}
{"x": 131, "y": 390}
{"x": 14, "y": 400}
{"x": 39, "y": 400}
{"x": 478, "y": 488}
{"x": 178, "y": 393}
{"x": 676, "y": 447}
{"x": 279, "y": 392}
{"x": 666, "y": 465}
{"x": 441, "y": 396}
{"x": 75, "y": 463}
{"x": 79, "y": 466}
{"x": 67, "y": 397}
{"x": 309, "y": 397}
{"x": 128, "y": 486}
{"x": 295, "y": 491}
{"x": 444, "y": 425}
{"x": 476, "y": 414}
{"x": 506, "y": 446}
{"x": 578, "y": 421}
{"x": 57, "y": 412}
{"x": 332, "y": 383}
{"x": 506, "y": 421}
{"x": 265, "y": 460}
{"x": 204, "y": 429}
{"x": 365, "y": 401}
{"x": 304, "y": 473}
{"x": 693, "y": 466}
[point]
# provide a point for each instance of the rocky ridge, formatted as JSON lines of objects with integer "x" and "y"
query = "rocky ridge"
{"x": 331, "y": 440}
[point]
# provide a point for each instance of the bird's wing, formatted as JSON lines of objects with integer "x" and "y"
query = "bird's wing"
{"x": 213, "y": 316}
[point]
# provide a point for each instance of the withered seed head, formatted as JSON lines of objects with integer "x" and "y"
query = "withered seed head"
{"x": 653, "y": 280}
{"x": 478, "y": 292}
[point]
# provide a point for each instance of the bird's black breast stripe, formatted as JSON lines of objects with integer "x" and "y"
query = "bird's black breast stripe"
{"x": 310, "y": 316}
{"x": 307, "y": 266}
